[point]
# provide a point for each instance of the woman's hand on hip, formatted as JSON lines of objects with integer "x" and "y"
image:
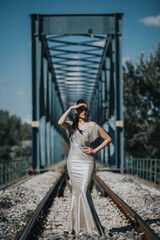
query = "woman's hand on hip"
{"x": 88, "y": 150}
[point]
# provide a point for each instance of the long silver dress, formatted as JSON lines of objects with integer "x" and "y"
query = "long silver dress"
{"x": 82, "y": 218}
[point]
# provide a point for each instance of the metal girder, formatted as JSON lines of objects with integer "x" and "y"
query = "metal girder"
{"x": 78, "y": 24}
{"x": 76, "y": 56}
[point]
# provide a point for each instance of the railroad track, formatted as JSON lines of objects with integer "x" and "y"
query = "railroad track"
{"x": 37, "y": 224}
{"x": 136, "y": 221}
{"x": 30, "y": 230}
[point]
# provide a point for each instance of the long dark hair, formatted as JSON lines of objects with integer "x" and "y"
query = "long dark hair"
{"x": 76, "y": 119}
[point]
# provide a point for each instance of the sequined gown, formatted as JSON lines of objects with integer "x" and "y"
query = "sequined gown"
{"x": 82, "y": 218}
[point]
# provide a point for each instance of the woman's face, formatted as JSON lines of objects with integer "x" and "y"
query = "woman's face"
{"x": 82, "y": 111}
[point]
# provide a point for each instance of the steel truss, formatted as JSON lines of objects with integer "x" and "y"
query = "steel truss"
{"x": 76, "y": 56}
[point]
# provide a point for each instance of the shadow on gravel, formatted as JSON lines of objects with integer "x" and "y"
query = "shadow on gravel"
{"x": 150, "y": 221}
{"x": 6, "y": 203}
{"x": 122, "y": 229}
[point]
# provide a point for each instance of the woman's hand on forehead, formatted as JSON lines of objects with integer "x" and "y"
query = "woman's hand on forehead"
{"x": 85, "y": 105}
{"x": 82, "y": 104}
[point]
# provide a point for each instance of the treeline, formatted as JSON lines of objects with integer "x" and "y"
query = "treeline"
{"x": 142, "y": 106}
{"x": 15, "y": 137}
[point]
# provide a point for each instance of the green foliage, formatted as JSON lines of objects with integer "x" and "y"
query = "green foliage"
{"x": 26, "y": 131}
{"x": 141, "y": 106}
{"x": 13, "y": 134}
{"x": 26, "y": 146}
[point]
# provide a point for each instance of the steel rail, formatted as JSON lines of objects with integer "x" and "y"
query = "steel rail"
{"x": 56, "y": 189}
{"x": 140, "y": 224}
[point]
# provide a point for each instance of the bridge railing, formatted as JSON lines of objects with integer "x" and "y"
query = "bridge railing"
{"x": 146, "y": 168}
{"x": 11, "y": 170}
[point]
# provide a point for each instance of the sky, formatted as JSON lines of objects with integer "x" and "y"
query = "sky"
{"x": 140, "y": 33}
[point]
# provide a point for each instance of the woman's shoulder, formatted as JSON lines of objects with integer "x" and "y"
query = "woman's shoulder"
{"x": 91, "y": 124}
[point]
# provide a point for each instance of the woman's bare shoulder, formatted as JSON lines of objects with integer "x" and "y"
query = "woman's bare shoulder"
{"x": 91, "y": 124}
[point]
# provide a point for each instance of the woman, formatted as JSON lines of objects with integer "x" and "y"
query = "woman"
{"x": 82, "y": 217}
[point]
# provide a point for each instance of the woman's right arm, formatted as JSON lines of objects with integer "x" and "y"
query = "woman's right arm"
{"x": 65, "y": 124}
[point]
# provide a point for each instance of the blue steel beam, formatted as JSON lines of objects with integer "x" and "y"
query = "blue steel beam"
{"x": 78, "y": 24}
{"x": 119, "y": 96}
{"x": 36, "y": 58}
{"x": 51, "y": 78}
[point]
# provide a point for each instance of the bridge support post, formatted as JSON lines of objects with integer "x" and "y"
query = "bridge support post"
{"x": 36, "y": 63}
{"x": 119, "y": 136}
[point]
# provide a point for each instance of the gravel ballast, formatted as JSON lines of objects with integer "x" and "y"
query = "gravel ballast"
{"x": 17, "y": 204}
{"x": 144, "y": 200}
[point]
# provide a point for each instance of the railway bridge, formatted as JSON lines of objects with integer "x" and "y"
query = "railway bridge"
{"x": 76, "y": 56}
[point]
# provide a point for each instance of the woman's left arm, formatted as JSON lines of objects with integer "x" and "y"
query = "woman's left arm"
{"x": 105, "y": 136}
{"x": 106, "y": 141}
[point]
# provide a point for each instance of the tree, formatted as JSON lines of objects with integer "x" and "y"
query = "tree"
{"x": 26, "y": 131}
{"x": 149, "y": 72}
{"x": 12, "y": 133}
{"x": 141, "y": 106}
